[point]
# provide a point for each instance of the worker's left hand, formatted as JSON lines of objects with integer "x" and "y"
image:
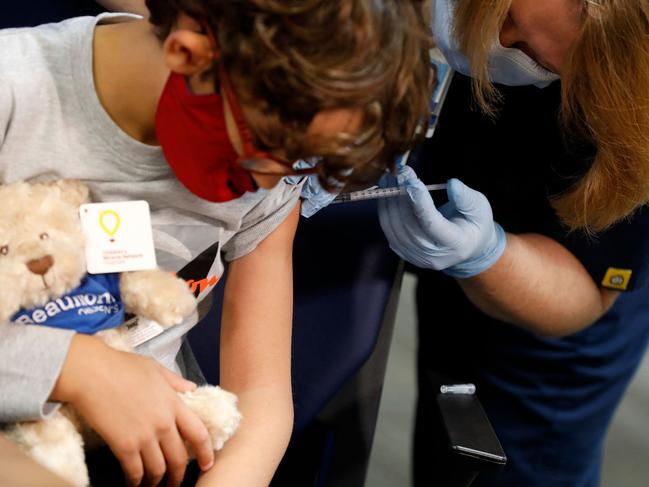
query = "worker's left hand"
{"x": 461, "y": 238}
{"x": 314, "y": 196}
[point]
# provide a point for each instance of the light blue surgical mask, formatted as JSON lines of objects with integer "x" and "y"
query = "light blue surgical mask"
{"x": 507, "y": 66}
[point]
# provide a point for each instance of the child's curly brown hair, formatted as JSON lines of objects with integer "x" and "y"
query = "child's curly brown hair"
{"x": 290, "y": 59}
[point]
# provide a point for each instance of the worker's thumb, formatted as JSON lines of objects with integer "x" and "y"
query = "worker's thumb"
{"x": 471, "y": 203}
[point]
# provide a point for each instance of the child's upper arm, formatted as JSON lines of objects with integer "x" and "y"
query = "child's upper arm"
{"x": 257, "y": 227}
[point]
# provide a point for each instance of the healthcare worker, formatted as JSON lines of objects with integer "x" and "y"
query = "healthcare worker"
{"x": 544, "y": 241}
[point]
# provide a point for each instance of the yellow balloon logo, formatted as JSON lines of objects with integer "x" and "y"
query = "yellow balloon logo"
{"x": 109, "y": 222}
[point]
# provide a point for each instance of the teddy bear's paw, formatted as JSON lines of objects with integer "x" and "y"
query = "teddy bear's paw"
{"x": 217, "y": 409}
{"x": 174, "y": 309}
{"x": 56, "y": 444}
{"x": 157, "y": 295}
{"x": 72, "y": 468}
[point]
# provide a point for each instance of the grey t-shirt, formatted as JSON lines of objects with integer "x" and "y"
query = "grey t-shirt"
{"x": 52, "y": 125}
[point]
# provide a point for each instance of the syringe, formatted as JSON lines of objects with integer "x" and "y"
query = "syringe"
{"x": 376, "y": 193}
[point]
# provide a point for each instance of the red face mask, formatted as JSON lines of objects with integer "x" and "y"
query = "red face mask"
{"x": 192, "y": 132}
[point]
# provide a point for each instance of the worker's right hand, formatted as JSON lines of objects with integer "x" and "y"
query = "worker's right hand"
{"x": 132, "y": 402}
{"x": 461, "y": 238}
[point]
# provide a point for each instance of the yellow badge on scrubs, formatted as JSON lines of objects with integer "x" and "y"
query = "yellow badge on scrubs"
{"x": 617, "y": 278}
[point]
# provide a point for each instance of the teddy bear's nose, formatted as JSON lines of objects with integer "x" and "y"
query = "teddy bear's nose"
{"x": 40, "y": 266}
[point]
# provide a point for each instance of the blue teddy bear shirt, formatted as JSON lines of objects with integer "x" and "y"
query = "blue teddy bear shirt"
{"x": 93, "y": 306}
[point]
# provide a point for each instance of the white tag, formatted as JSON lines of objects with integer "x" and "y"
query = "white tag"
{"x": 143, "y": 330}
{"x": 118, "y": 236}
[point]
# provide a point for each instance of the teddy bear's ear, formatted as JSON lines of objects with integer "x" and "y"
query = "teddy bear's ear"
{"x": 72, "y": 190}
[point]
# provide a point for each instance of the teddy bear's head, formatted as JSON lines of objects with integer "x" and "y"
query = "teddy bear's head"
{"x": 41, "y": 243}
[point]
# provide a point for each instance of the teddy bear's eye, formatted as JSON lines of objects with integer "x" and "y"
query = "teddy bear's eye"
{"x": 4, "y": 250}
{"x": 44, "y": 236}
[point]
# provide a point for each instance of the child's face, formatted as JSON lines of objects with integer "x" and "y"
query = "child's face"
{"x": 188, "y": 51}
{"x": 326, "y": 124}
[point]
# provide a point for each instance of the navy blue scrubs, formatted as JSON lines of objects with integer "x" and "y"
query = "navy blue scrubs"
{"x": 550, "y": 399}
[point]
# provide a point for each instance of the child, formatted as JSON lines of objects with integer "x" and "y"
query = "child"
{"x": 200, "y": 112}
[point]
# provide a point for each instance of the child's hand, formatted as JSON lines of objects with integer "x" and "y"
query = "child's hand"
{"x": 132, "y": 402}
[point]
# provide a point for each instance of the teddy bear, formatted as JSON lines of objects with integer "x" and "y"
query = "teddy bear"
{"x": 43, "y": 275}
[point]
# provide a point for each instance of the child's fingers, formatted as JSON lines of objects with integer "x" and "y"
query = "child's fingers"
{"x": 195, "y": 433}
{"x": 177, "y": 382}
{"x": 154, "y": 463}
{"x": 132, "y": 465}
{"x": 176, "y": 456}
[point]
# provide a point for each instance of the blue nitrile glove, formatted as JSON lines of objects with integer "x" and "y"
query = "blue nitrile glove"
{"x": 314, "y": 196}
{"x": 461, "y": 238}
